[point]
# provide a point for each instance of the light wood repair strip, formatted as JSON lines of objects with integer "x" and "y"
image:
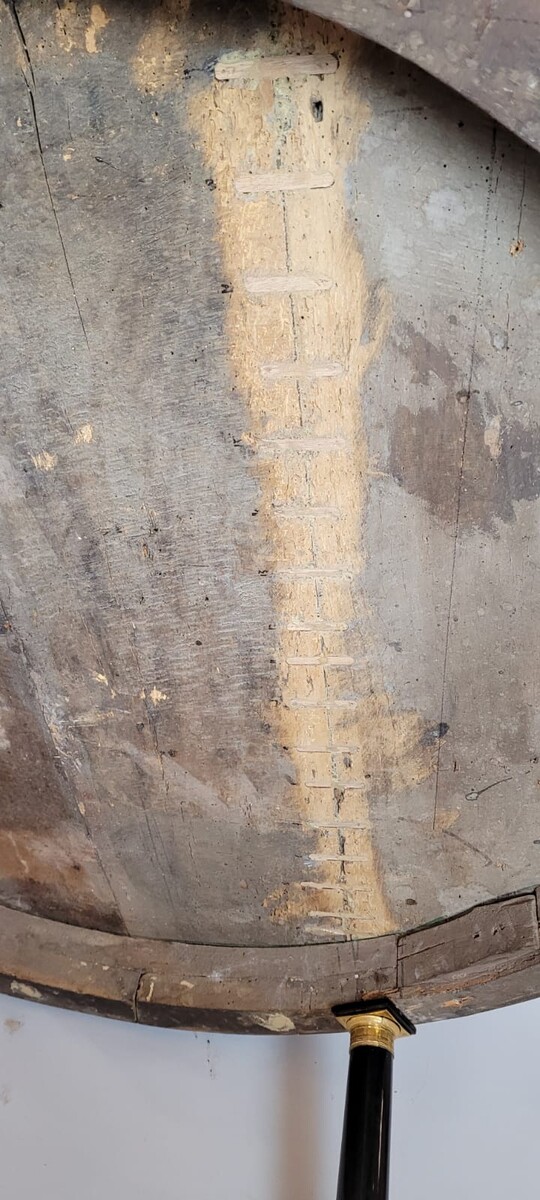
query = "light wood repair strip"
{"x": 276, "y": 66}
{"x": 336, "y": 930}
{"x": 338, "y": 857}
{"x": 282, "y": 181}
{"x": 343, "y": 916}
{"x": 289, "y": 284}
{"x": 333, "y": 749}
{"x": 302, "y": 445}
{"x": 306, "y": 512}
{"x": 339, "y": 934}
{"x": 357, "y": 826}
{"x": 320, "y": 660}
{"x": 317, "y": 626}
{"x": 274, "y": 371}
{"x": 351, "y": 786}
{"x": 325, "y": 703}
{"x": 333, "y": 887}
{"x": 314, "y": 572}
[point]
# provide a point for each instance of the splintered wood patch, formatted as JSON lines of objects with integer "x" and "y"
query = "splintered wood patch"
{"x": 279, "y": 134}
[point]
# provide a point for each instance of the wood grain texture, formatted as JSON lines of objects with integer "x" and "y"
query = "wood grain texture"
{"x": 131, "y": 557}
{"x": 487, "y": 958}
{"x": 494, "y": 932}
{"x": 270, "y": 550}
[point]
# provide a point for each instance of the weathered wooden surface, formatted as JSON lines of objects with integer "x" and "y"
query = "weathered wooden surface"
{"x": 269, "y": 479}
{"x": 489, "y": 53}
{"x": 483, "y": 959}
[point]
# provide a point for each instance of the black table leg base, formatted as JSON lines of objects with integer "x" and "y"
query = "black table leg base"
{"x": 373, "y": 1029}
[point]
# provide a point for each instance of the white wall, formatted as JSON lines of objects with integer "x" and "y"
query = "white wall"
{"x": 98, "y": 1110}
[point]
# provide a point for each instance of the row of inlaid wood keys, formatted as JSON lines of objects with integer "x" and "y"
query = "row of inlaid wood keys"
{"x": 308, "y": 459}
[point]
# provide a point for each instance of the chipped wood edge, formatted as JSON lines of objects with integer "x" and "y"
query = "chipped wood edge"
{"x": 485, "y": 958}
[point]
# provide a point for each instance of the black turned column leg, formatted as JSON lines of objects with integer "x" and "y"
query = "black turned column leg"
{"x": 365, "y": 1147}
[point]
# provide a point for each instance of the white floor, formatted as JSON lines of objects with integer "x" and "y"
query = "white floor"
{"x": 98, "y": 1110}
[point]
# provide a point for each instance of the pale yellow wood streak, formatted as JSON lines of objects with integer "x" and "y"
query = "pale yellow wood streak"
{"x": 79, "y": 26}
{"x": 159, "y": 62}
{"x": 311, "y": 457}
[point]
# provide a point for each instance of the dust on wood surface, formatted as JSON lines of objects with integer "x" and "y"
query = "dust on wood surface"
{"x": 269, "y": 482}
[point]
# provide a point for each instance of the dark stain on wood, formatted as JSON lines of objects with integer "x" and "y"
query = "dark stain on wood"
{"x": 459, "y": 452}
{"x": 27, "y": 761}
{"x": 426, "y": 358}
{"x": 68, "y": 893}
{"x": 48, "y": 864}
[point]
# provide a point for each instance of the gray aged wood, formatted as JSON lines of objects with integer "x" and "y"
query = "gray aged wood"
{"x": 489, "y": 933}
{"x": 489, "y": 53}
{"x": 276, "y": 990}
{"x": 268, "y": 654}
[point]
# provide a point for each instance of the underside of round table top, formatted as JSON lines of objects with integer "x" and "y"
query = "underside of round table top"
{"x": 270, "y": 537}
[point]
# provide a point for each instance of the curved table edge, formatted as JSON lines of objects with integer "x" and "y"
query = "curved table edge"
{"x": 496, "y": 73}
{"x": 485, "y": 958}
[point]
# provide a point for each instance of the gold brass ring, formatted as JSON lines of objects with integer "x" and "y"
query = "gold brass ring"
{"x": 372, "y": 1029}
